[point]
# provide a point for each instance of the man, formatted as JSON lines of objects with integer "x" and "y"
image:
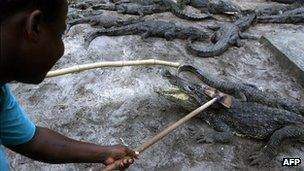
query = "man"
{"x": 30, "y": 44}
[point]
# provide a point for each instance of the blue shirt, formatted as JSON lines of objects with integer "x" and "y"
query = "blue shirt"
{"x": 15, "y": 127}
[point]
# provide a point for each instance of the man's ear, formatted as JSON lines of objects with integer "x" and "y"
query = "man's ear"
{"x": 33, "y": 25}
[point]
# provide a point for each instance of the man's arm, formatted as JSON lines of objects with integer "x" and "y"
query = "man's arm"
{"x": 52, "y": 147}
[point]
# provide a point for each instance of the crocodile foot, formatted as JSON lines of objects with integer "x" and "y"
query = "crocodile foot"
{"x": 199, "y": 136}
{"x": 259, "y": 158}
{"x": 213, "y": 137}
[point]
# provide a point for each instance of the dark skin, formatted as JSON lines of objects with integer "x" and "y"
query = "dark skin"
{"x": 30, "y": 46}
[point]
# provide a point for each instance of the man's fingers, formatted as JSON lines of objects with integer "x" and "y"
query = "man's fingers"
{"x": 132, "y": 153}
{"x": 126, "y": 163}
{"x": 130, "y": 161}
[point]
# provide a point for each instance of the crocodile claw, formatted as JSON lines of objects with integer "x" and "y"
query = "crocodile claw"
{"x": 205, "y": 139}
{"x": 259, "y": 158}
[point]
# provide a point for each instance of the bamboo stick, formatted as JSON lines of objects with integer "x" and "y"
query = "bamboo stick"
{"x": 83, "y": 67}
{"x": 163, "y": 133}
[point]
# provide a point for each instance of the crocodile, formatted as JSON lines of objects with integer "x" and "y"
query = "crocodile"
{"x": 211, "y": 6}
{"x": 103, "y": 21}
{"x": 76, "y": 14}
{"x": 293, "y": 16}
{"x": 141, "y": 2}
{"x": 226, "y": 35}
{"x": 287, "y": 1}
{"x": 160, "y": 7}
{"x": 247, "y": 92}
{"x": 273, "y": 9}
{"x": 82, "y": 5}
{"x": 175, "y": 9}
{"x": 151, "y": 28}
{"x": 243, "y": 118}
{"x": 133, "y": 8}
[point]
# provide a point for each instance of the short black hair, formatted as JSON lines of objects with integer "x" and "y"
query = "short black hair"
{"x": 49, "y": 8}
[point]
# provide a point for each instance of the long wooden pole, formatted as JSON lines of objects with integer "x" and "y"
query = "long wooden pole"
{"x": 83, "y": 67}
{"x": 162, "y": 134}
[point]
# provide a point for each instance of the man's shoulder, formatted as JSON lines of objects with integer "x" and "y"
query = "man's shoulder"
{"x": 5, "y": 94}
{"x": 15, "y": 126}
{"x": 5, "y": 89}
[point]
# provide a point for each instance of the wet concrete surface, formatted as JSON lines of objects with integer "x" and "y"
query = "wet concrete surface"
{"x": 104, "y": 105}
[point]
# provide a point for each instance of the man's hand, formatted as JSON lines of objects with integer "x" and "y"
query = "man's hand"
{"x": 116, "y": 152}
{"x": 52, "y": 147}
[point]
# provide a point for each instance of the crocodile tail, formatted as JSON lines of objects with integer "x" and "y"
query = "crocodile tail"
{"x": 224, "y": 86}
{"x": 281, "y": 19}
{"x": 89, "y": 38}
{"x": 75, "y": 22}
{"x": 104, "y": 32}
{"x": 114, "y": 31}
{"x": 272, "y": 19}
{"x": 131, "y": 21}
{"x": 183, "y": 15}
{"x": 203, "y": 76}
{"x": 97, "y": 33}
{"x": 177, "y": 11}
{"x": 118, "y": 31}
{"x": 109, "y": 7}
{"x": 209, "y": 51}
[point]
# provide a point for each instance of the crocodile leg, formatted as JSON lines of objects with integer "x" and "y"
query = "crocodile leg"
{"x": 145, "y": 35}
{"x": 89, "y": 38}
{"x": 247, "y": 36}
{"x": 141, "y": 13}
{"x": 182, "y": 3}
{"x": 295, "y": 132}
{"x": 213, "y": 27}
{"x": 121, "y": 10}
{"x": 224, "y": 134}
{"x": 122, "y": 2}
{"x": 238, "y": 43}
{"x": 169, "y": 35}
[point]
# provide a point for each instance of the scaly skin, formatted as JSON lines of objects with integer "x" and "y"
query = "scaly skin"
{"x": 287, "y": 1}
{"x": 132, "y": 8}
{"x": 291, "y": 16}
{"x": 273, "y": 9}
{"x": 211, "y": 6}
{"x": 82, "y": 5}
{"x": 77, "y": 14}
{"x": 227, "y": 35}
{"x": 140, "y": 2}
{"x": 159, "y": 7}
{"x": 103, "y": 21}
{"x": 175, "y": 9}
{"x": 167, "y": 30}
{"x": 249, "y": 119}
{"x": 249, "y": 93}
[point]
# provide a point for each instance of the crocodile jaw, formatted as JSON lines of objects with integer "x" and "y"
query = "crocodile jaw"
{"x": 179, "y": 97}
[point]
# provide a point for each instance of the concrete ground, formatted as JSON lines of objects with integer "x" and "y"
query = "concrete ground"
{"x": 106, "y": 105}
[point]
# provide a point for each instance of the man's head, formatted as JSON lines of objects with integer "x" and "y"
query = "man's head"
{"x": 30, "y": 38}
